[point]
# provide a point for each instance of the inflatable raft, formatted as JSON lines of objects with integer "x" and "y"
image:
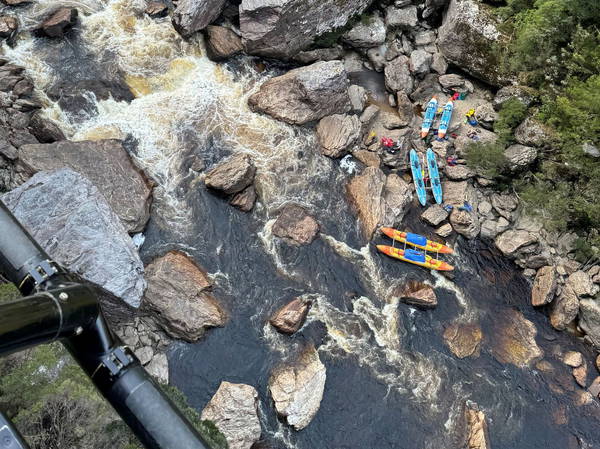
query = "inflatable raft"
{"x": 445, "y": 120}
{"x": 434, "y": 176}
{"x": 428, "y": 117}
{"x": 415, "y": 257}
{"x": 417, "y": 174}
{"x": 416, "y": 240}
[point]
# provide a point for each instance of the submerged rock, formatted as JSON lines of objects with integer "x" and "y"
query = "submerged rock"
{"x": 468, "y": 38}
{"x": 281, "y": 28}
{"x": 234, "y": 410}
{"x": 232, "y": 175}
{"x": 514, "y": 340}
{"x": 71, "y": 219}
{"x": 191, "y": 16}
{"x": 304, "y": 94}
{"x": 222, "y": 43}
{"x": 296, "y": 224}
{"x": 477, "y": 430}
{"x": 297, "y": 389}
{"x": 179, "y": 298}
{"x": 290, "y": 318}
{"x": 464, "y": 339}
{"x": 106, "y": 164}
{"x": 418, "y": 294}
{"x": 59, "y": 22}
{"x": 544, "y": 286}
{"x": 338, "y": 133}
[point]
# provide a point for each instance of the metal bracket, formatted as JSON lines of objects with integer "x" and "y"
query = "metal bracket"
{"x": 116, "y": 360}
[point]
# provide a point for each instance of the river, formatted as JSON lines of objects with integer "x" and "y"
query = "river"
{"x": 391, "y": 380}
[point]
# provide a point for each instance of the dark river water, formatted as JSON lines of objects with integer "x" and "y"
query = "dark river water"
{"x": 391, "y": 380}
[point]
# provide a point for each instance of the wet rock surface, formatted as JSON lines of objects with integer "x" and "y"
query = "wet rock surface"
{"x": 290, "y": 318}
{"x": 419, "y": 294}
{"x": 295, "y": 224}
{"x": 59, "y": 22}
{"x": 477, "y": 429}
{"x": 222, "y": 43}
{"x": 231, "y": 176}
{"x": 234, "y": 410}
{"x": 304, "y": 94}
{"x": 79, "y": 230}
{"x": 191, "y": 16}
{"x": 544, "y": 286}
{"x": 297, "y": 389}
{"x": 178, "y": 295}
{"x": 106, "y": 164}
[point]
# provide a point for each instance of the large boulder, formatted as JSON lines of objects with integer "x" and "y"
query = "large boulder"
{"x": 418, "y": 294}
{"x": 71, "y": 219}
{"x": 524, "y": 94}
{"x": 465, "y": 223}
{"x": 420, "y": 62}
{"x": 469, "y": 38}
{"x": 234, "y": 410}
{"x": 338, "y": 133}
{"x": 589, "y": 320}
{"x": 463, "y": 339}
{"x": 510, "y": 241}
{"x": 179, "y": 298}
{"x": 289, "y": 318}
{"x": 297, "y": 389}
{"x": 514, "y": 340}
{"x": 222, "y": 43}
{"x": 565, "y": 308}
{"x": 533, "y": 133}
{"x": 434, "y": 214}
{"x": 232, "y": 175}
{"x": 544, "y": 286}
{"x": 191, "y": 16}
{"x": 405, "y": 17}
{"x": 520, "y": 157}
{"x": 59, "y": 22}
{"x": 377, "y": 199}
{"x": 304, "y": 94}
{"x": 296, "y": 225}
{"x": 398, "y": 76}
{"x": 582, "y": 284}
{"x": 366, "y": 34}
{"x": 8, "y": 26}
{"x": 281, "y": 28}
{"x": 106, "y": 164}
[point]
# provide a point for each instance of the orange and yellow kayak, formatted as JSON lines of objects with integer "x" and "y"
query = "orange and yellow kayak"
{"x": 416, "y": 240}
{"x": 415, "y": 257}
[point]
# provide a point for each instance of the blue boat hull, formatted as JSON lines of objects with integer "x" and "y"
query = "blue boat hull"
{"x": 417, "y": 173}
{"x": 434, "y": 176}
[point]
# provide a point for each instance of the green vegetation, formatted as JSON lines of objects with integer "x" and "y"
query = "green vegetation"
{"x": 488, "y": 159}
{"x": 8, "y": 292}
{"x": 555, "y": 49}
{"x": 55, "y": 405}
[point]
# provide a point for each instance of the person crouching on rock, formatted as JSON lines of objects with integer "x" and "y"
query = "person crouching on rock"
{"x": 388, "y": 145}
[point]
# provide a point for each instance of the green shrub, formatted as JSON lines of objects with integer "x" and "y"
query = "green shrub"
{"x": 488, "y": 159}
{"x": 510, "y": 115}
{"x": 8, "y": 292}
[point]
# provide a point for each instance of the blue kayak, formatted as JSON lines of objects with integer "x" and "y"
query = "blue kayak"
{"x": 417, "y": 173}
{"x": 445, "y": 120}
{"x": 434, "y": 176}
{"x": 429, "y": 117}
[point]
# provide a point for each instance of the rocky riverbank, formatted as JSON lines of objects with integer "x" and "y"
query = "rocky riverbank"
{"x": 96, "y": 195}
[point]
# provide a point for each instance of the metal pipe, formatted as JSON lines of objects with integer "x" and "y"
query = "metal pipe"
{"x": 46, "y": 317}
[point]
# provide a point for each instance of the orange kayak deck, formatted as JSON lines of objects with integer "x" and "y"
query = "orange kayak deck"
{"x": 427, "y": 262}
{"x": 404, "y": 237}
